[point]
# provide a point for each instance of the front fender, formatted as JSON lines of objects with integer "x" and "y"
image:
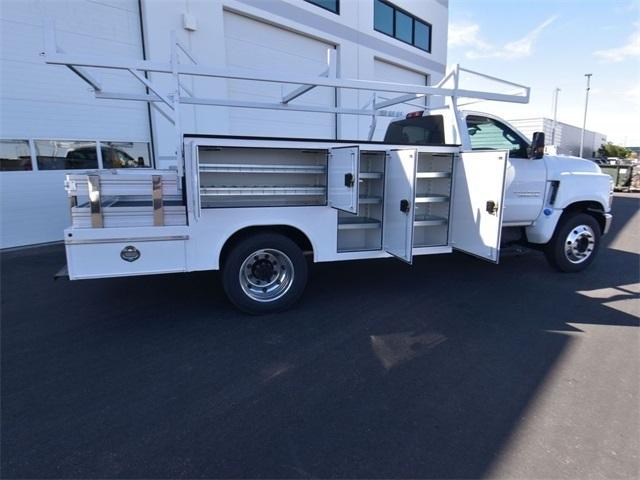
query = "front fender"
{"x": 582, "y": 188}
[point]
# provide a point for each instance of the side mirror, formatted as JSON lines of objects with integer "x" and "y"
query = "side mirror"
{"x": 537, "y": 145}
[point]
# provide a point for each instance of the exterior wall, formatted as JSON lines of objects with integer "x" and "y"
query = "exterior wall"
{"x": 44, "y": 102}
{"x": 567, "y": 137}
{"x": 41, "y": 101}
{"x": 259, "y": 29}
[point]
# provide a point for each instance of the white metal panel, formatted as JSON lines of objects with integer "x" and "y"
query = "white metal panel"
{"x": 49, "y": 102}
{"x": 255, "y": 45}
{"x": 479, "y": 178}
{"x": 97, "y": 260}
{"x": 399, "y": 187}
{"x": 34, "y": 207}
{"x": 343, "y": 178}
{"x": 388, "y": 72}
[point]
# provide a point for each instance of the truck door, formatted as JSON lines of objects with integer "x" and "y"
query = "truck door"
{"x": 343, "y": 178}
{"x": 399, "y": 197}
{"x": 477, "y": 203}
{"x": 526, "y": 177}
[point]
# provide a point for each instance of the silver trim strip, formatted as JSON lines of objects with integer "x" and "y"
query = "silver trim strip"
{"x": 158, "y": 208}
{"x": 125, "y": 240}
{"x": 93, "y": 185}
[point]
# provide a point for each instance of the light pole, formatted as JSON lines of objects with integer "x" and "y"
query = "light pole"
{"x": 555, "y": 115}
{"x": 586, "y": 105}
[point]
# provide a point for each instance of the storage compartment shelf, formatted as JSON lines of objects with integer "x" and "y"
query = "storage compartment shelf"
{"x": 369, "y": 200}
{"x": 254, "y": 168}
{"x": 433, "y": 175}
{"x": 429, "y": 221}
{"x": 371, "y": 175}
{"x": 261, "y": 191}
{"x": 431, "y": 198}
{"x": 353, "y": 223}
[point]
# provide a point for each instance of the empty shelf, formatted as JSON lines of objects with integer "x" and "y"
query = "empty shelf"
{"x": 429, "y": 221}
{"x": 431, "y": 198}
{"x": 254, "y": 168}
{"x": 433, "y": 175}
{"x": 371, "y": 175}
{"x": 353, "y": 223}
{"x": 261, "y": 191}
{"x": 369, "y": 200}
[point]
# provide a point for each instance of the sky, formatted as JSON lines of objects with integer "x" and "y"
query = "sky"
{"x": 549, "y": 44}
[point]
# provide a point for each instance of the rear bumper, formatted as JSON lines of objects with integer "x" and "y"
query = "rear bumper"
{"x": 608, "y": 218}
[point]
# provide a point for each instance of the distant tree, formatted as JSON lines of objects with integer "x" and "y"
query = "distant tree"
{"x": 612, "y": 150}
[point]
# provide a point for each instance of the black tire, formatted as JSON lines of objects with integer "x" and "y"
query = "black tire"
{"x": 575, "y": 243}
{"x": 264, "y": 273}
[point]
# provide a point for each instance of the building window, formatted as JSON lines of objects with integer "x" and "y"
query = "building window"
{"x": 125, "y": 155}
{"x": 15, "y": 155}
{"x": 397, "y": 23}
{"x": 331, "y": 5}
{"x": 66, "y": 155}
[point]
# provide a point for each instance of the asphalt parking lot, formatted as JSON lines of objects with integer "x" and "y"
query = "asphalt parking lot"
{"x": 452, "y": 368}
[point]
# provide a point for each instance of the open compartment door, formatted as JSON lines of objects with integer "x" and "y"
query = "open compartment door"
{"x": 478, "y": 198}
{"x": 343, "y": 178}
{"x": 399, "y": 199}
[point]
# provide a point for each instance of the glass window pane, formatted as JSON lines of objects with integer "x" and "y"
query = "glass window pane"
{"x": 14, "y": 155}
{"x": 125, "y": 154}
{"x": 66, "y": 155}
{"x": 488, "y": 134}
{"x": 331, "y": 5}
{"x": 383, "y": 17}
{"x": 422, "y": 36}
{"x": 404, "y": 27}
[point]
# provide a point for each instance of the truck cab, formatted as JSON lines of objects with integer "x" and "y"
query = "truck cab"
{"x": 557, "y": 203}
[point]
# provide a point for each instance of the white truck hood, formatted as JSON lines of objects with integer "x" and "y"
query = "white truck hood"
{"x": 559, "y": 164}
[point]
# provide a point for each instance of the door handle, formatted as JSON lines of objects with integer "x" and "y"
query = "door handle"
{"x": 348, "y": 180}
{"x": 405, "y": 206}
{"x": 492, "y": 207}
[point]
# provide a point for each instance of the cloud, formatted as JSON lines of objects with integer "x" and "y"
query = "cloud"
{"x": 630, "y": 49}
{"x": 634, "y": 94}
{"x": 468, "y": 35}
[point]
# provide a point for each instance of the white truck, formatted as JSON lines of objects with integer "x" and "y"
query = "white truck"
{"x": 440, "y": 181}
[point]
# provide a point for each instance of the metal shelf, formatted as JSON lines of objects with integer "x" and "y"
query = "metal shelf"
{"x": 357, "y": 223}
{"x": 371, "y": 175}
{"x": 429, "y": 221}
{"x": 433, "y": 175}
{"x": 431, "y": 198}
{"x": 254, "y": 168}
{"x": 369, "y": 200}
{"x": 261, "y": 191}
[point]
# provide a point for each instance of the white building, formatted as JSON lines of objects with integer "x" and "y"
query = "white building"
{"x": 566, "y": 137}
{"x": 50, "y": 121}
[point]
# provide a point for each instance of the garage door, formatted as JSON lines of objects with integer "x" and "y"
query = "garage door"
{"x": 387, "y": 72}
{"x": 255, "y": 45}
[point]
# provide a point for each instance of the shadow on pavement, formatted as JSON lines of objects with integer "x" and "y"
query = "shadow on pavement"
{"x": 382, "y": 370}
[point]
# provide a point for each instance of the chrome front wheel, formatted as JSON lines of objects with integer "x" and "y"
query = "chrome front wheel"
{"x": 580, "y": 244}
{"x": 266, "y": 275}
{"x": 575, "y": 242}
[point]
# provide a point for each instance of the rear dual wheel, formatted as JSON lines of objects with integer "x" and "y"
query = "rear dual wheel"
{"x": 264, "y": 273}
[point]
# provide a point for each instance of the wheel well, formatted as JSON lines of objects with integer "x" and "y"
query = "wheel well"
{"x": 298, "y": 236}
{"x": 595, "y": 209}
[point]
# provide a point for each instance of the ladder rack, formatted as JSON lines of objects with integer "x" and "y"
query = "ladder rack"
{"x": 168, "y": 103}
